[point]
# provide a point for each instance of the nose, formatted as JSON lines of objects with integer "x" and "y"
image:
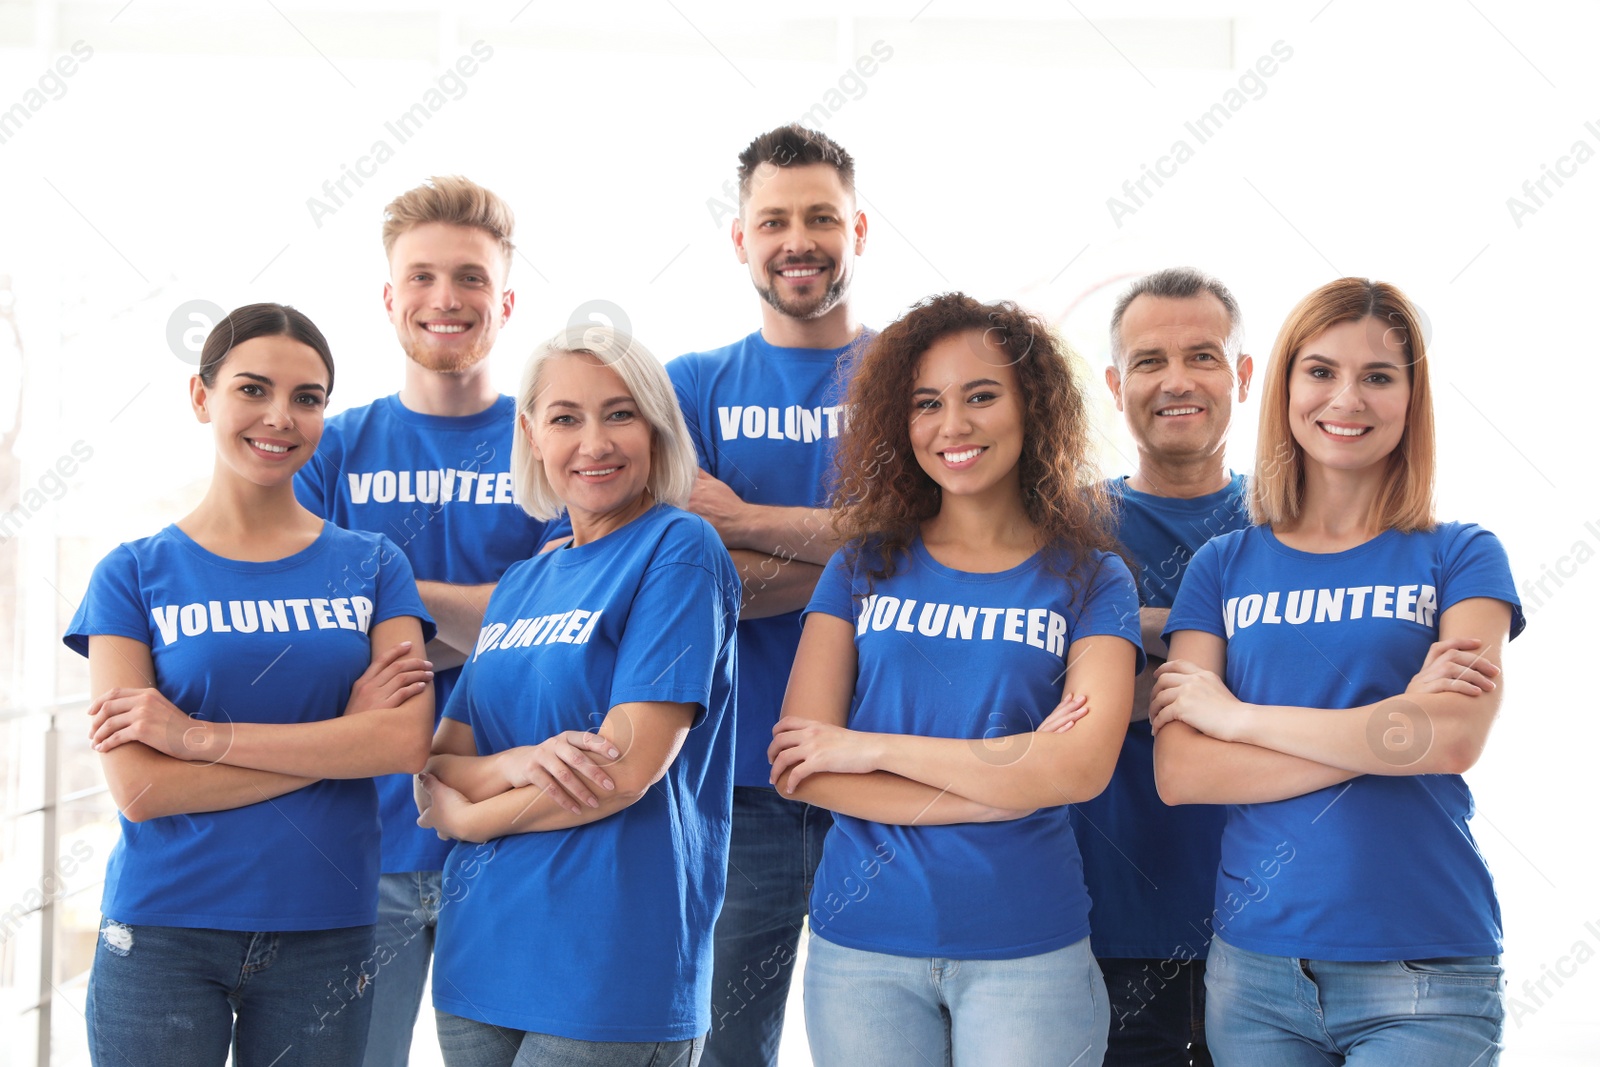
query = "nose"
{"x": 1178, "y": 379}
{"x": 278, "y": 417}
{"x": 596, "y": 440}
{"x": 798, "y": 242}
{"x": 954, "y": 419}
{"x": 445, "y": 296}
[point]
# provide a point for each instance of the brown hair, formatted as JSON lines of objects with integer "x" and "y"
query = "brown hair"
{"x": 882, "y": 495}
{"x": 454, "y": 200}
{"x": 1405, "y": 499}
{"x": 794, "y": 146}
{"x": 250, "y": 321}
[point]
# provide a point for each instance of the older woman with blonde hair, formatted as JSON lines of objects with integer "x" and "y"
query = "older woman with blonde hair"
{"x": 584, "y": 762}
{"x": 1356, "y": 921}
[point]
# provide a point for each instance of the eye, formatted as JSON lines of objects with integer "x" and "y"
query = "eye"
{"x": 981, "y": 397}
{"x": 925, "y": 404}
{"x": 419, "y": 277}
{"x": 310, "y": 400}
{"x": 1207, "y": 356}
{"x": 825, "y": 219}
{"x": 1146, "y": 363}
{"x": 1320, "y": 373}
{"x": 472, "y": 279}
{"x": 561, "y": 420}
{"x": 622, "y": 415}
{"x": 252, "y": 389}
{"x": 1379, "y": 378}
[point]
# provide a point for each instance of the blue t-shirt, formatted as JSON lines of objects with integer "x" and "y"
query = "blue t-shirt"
{"x": 600, "y": 932}
{"x": 1151, "y": 869}
{"x": 948, "y": 653}
{"x": 766, "y": 421}
{"x": 278, "y": 642}
{"x": 440, "y": 488}
{"x": 1380, "y": 867}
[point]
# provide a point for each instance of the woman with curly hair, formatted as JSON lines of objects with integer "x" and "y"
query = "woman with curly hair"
{"x": 978, "y": 589}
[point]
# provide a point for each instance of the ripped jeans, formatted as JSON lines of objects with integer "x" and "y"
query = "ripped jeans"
{"x": 168, "y": 996}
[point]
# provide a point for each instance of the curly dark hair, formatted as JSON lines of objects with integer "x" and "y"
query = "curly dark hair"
{"x": 881, "y": 495}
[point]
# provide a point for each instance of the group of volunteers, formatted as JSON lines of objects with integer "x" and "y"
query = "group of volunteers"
{"x": 594, "y": 697}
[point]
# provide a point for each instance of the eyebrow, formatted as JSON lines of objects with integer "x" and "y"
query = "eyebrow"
{"x": 477, "y": 267}
{"x": 575, "y": 406}
{"x": 970, "y": 385}
{"x": 264, "y": 380}
{"x": 821, "y": 206}
{"x": 1377, "y": 364}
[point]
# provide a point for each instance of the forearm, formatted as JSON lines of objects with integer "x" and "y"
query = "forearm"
{"x": 529, "y": 809}
{"x": 804, "y": 534}
{"x": 361, "y": 745}
{"x": 773, "y": 585}
{"x": 457, "y": 611}
{"x": 1192, "y": 768}
{"x": 475, "y": 777}
{"x": 1152, "y": 623}
{"x": 446, "y": 657}
{"x": 888, "y": 798}
{"x": 146, "y": 784}
{"x": 1434, "y": 733}
{"x": 1017, "y": 771}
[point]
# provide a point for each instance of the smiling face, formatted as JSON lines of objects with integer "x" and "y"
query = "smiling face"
{"x": 265, "y": 407}
{"x": 967, "y": 418}
{"x": 444, "y": 295}
{"x": 799, "y": 233}
{"x": 593, "y": 442}
{"x": 1175, "y": 384}
{"x": 1349, "y": 391}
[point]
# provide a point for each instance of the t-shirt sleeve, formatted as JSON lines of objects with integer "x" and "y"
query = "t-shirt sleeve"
{"x": 112, "y": 605}
{"x": 397, "y": 590}
{"x": 1111, "y": 607}
{"x": 682, "y": 373}
{"x": 677, "y": 627}
{"x": 311, "y": 481}
{"x": 459, "y": 705}
{"x": 835, "y": 591}
{"x": 1198, "y": 605}
{"x": 1476, "y": 565}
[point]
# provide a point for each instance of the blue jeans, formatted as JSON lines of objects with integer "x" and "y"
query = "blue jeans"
{"x": 1158, "y": 1012}
{"x": 1048, "y": 1010}
{"x": 772, "y": 859}
{"x": 469, "y": 1043}
{"x": 1279, "y": 1011}
{"x": 408, "y": 915}
{"x": 168, "y": 996}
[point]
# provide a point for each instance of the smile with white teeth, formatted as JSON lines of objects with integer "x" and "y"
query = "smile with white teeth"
{"x": 961, "y": 456}
{"x": 800, "y": 272}
{"x": 1178, "y": 411}
{"x": 444, "y": 327}
{"x": 276, "y": 449}
{"x": 599, "y": 472}
{"x": 1345, "y": 431}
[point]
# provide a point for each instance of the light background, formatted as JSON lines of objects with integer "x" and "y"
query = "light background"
{"x": 176, "y": 164}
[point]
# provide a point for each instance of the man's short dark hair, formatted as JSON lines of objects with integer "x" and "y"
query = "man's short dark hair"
{"x": 794, "y": 145}
{"x": 1178, "y": 283}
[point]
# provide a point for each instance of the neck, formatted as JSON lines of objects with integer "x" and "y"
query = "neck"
{"x": 238, "y": 513}
{"x": 590, "y": 526}
{"x": 834, "y": 330}
{"x": 1339, "y": 505}
{"x": 429, "y": 392}
{"x": 1182, "y": 478}
{"x": 980, "y": 523}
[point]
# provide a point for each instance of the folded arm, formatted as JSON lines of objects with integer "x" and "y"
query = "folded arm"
{"x": 379, "y": 740}
{"x": 147, "y": 784}
{"x": 1414, "y": 732}
{"x": 476, "y": 798}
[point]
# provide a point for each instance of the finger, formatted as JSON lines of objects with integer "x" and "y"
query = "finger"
{"x": 787, "y": 759}
{"x": 802, "y": 770}
{"x": 593, "y": 742}
{"x": 578, "y": 761}
{"x": 569, "y": 784}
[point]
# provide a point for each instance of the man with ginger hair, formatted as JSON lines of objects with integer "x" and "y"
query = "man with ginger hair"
{"x": 429, "y": 466}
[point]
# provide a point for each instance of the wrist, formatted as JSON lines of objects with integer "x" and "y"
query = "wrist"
{"x": 1245, "y": 725}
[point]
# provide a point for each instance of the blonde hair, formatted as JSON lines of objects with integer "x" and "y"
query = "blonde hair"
{"x": 453, "y": 200}
{"x": 1405, "y": 499}
{"x": 673, "y": 466}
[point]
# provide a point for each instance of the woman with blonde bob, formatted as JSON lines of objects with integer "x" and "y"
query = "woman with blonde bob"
{"x": 584, "y": 761}
{"x": 1356, "y": 921}
{"x": 977, "y": 591}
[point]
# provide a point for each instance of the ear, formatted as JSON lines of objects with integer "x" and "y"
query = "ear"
{"x": 508, "y": 301}
{"x": 860, "y": 229}
{"x": 1114, "y": 383}
{"x": 388, "y": 300}
{"x": 197, "y": 398}
{"x": 1246, "y": 368}
{"x": 737, "y": 233}
{"x": 526, "y": 427}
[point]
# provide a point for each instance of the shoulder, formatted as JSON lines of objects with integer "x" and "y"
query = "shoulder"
{"x": 683, "y": 537}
